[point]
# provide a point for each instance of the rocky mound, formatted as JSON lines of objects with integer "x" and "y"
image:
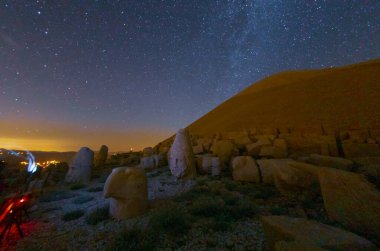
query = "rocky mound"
{"x": 330, "y": 99}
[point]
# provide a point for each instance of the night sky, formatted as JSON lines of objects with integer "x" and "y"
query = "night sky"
{"x": 130, "y": 73}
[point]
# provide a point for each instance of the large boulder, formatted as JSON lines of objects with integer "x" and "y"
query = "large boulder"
{"x": 244, "y": 168}
{"x": 224, "y": 149}
{"x": 351, "y": 200}
{"x": 328, "y": 161}
{"x": 355, "y": 150}
{"x": 181, "y": 157}
{"x": 311, "y": 233}
{"x": 80, "y": 167}
{"x": 254, "y": 148}
{"x": 268, "y": 168}
{"x": 273, "y": 152}
{"x": 294, "y": 182}
{"x": 101, "y": 157}
{"x": 128, "y": 192}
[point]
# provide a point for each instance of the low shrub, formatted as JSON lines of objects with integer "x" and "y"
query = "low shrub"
{"x": 134, "y": 239}
{"x": 73, "y": 215}
{"x": 82, "y": 199}
{"x": 207, "y": 206}
{"x": 77, "y": 186}
{"x": 95, "y": 189}
{"x": 97, "y": 215}
{"x": 170, "y": 220}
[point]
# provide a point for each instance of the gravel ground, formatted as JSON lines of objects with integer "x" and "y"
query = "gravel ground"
{"x": 47, "y": 229}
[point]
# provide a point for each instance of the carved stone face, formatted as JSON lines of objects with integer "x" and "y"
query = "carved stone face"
{"x": 128, "y": 192}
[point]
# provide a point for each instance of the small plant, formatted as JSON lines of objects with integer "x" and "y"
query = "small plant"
{"x": 170, "y": 220}
{"x": 265, "y": 192}
{"x": 244, "y": 208}
{"x": 98, "y": 215}
{"x": 82, "y": 199}
{"x": 95, "y": 189}
{"x": 207, "y": 206}
{"x": 77, "y": 186}
{"x": 278, "y": 210}
{"x": 221, "y": 223}
{"x": 73, "y": 215}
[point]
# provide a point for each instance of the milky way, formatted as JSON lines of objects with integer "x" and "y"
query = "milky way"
{"x": 162, "y": 64}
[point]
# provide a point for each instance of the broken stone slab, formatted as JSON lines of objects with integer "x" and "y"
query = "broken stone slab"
{"x": 244, "y": 168}
{"x": 128, "y": 192}
{"x": 181, "y": 157}
{"x": 273, "y": 152}
{"x": 283, "y": 228}
{"x": 351, "y": 200}
{"x": 328, "y": 161}
{"x": 254, "y": 148}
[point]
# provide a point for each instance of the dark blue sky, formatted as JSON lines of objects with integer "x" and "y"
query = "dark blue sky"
{"x": 139, "y": 66}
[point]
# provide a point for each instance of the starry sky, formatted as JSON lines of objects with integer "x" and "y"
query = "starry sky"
{"x": 130, "y": 73}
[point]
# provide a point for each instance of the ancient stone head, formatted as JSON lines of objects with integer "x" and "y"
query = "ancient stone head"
{"x": 127, "y": 188}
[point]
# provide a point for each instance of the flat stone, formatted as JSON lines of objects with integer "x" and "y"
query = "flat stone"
{"x": 351, "y": 200}
{"x": 283, "y": 228}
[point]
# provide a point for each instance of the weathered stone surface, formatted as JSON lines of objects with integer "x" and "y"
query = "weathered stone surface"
{"x": 181, "y": 157}
{"x": 215, "y": 166}
{"x": 160, "y": 160}
{"x": 148, "y": 151}
{"x": 369, "y": 166}
{"x": 254, "y": 148}
{"x": 293, "y": 182}
{"x": 281, "y": 143}
{"x": 351, "y": 200}
{"x": 198, "y": 149}
{"x": 224, "y": 149}
{"x": 268, "y": 168}
{"x": 240, "y": 138}
{"x": 283, "y": 228}
{"x": 297, "y": 246}
{"x": 353, "y": 150}
{"x": 328, "y": 161}
{"x": 273, "y": 152}
{"x": 128, "y": 192}
{"x": 101, "y": 157}
{"x": 244, "y": 168}
{"x": 80, "y": 167}
{"x": 148, "y": 162}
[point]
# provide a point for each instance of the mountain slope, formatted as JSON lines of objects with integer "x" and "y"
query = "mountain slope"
{"x": 346, "y": 97}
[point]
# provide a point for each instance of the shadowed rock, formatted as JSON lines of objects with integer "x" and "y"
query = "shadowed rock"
{"x": 101, "y": 157}
{"x": 244, "y": 168}
{"x": 351, "y": 200}
{"x": 80, "y": 167}
{"x": 283, "y": 228}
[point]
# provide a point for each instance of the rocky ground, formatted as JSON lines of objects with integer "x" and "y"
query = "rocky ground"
{"x": 208, "y": 213}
